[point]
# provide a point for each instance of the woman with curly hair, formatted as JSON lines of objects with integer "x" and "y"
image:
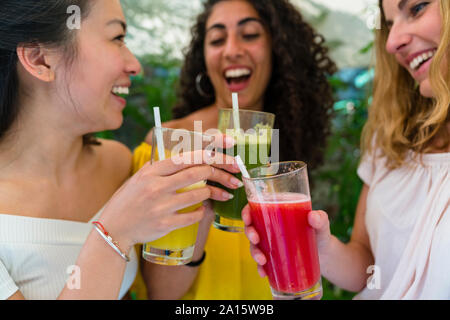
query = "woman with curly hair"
{"x": 402, "y": 224}
{"x": 292, "y": 82}
{"x": 263, "y": 50}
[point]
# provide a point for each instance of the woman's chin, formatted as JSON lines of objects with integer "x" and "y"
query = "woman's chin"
{"x": 426, "y": 89}
{"x": 114, "y": 124}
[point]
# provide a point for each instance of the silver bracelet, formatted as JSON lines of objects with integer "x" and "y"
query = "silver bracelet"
{"x": 112, "y": 243}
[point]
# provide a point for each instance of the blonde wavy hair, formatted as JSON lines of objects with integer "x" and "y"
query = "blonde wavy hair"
{"x": 400, "y": 118}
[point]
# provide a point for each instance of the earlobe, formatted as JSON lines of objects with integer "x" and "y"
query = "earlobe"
{"x": 33, "y": 60}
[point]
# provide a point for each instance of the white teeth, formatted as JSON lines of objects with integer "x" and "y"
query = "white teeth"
{"x": 419, "y": 59}
{"x": 120, "y": 90}
{"x": 237, "y": 73}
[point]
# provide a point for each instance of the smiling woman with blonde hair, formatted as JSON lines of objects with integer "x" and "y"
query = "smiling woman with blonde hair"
{"x": 401, "y": 234}
{"x": 412, "y": 118}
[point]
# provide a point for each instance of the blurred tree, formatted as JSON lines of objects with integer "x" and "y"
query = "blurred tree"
{"x": 160, "y": 26}
{"x": 337, "y": 186}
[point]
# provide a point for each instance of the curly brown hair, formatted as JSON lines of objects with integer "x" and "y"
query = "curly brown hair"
{"x": 298, "y": 92}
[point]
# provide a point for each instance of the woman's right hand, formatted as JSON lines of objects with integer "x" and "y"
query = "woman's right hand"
{"x": 318, "y": 220}
{"x": 145, "y": 207}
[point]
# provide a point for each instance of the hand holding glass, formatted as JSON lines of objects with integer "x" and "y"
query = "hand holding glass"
{"x": 279, "y": 201}
{"x": 177, "y": 247}
{"x": 253, "y": 142}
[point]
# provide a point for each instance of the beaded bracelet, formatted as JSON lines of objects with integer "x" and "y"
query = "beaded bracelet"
{"x": 105, "y": 235}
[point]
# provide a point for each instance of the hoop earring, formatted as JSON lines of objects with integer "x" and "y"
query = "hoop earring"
{"x": 198, "y": 85}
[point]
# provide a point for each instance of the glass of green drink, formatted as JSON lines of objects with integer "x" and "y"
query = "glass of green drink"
{"x": 253, "y": 145}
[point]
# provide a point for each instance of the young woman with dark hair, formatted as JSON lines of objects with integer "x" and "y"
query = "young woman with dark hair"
{"x": 265, "y": 51}
{"x": 57, "y": 86}
{"x": 288, "y": 74}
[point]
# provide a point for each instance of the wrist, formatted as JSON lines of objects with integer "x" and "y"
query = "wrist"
{"x": 326, "y": 250}
{"x": 197, "y": 262}
{"x": 113, "y": 237}
{"x": 209, "y": 213}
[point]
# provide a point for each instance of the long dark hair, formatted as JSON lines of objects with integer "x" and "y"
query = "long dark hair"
{"x": 298, "y": 93}
{"x": 31, "y": 22}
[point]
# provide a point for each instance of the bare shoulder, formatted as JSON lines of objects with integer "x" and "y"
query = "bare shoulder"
{"x": 207, "y": 116}
{"x": 115, "y": 159}
{"x": 174, "y": 124}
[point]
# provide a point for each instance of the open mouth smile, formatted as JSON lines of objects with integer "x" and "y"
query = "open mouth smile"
{"x": 237, "y": 78}
{"x": 117, "y": 90}
{"x": 421, "y": 59}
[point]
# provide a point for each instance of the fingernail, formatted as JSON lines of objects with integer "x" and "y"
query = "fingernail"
{"x": 208, "y": 138}
{"x": 238, "y": 183}
{"x": 228, "y": 196}
{"x": 260, "y": 259}
{"x": 317, "y": 218}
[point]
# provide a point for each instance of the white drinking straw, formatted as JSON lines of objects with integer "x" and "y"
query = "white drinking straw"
{"x": 237, "y": 123}
{"x": 158, "y": 132}
{"x": 253, "y": 189}
{"x": 242, "y": 167}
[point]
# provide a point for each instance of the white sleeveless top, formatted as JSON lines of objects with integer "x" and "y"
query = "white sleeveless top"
{"x": 37, "y": 255}
{"x": 408, "y": 222}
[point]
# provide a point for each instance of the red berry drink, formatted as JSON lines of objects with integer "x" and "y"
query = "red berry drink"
{"x": 288, "y": 241}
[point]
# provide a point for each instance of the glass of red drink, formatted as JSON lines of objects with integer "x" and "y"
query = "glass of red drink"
{"x": 280, "y": 201}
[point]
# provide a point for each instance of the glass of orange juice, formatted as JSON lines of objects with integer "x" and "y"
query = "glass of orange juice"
{"x": 177, "y": 247}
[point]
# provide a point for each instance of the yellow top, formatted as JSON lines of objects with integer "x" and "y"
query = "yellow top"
{"x": 228, "y": 272}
